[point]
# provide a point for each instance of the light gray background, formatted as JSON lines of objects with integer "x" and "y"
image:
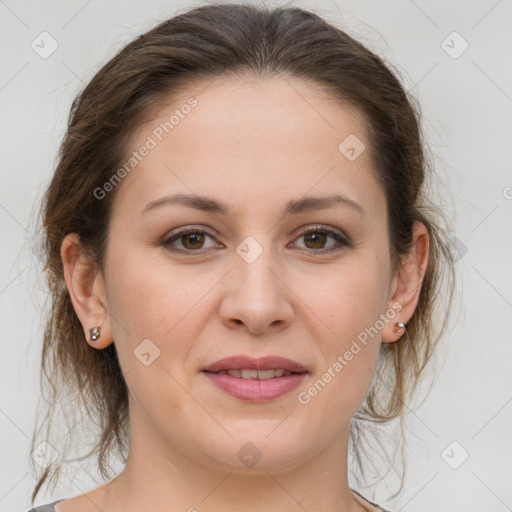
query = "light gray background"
{"x": 467, "y": 106}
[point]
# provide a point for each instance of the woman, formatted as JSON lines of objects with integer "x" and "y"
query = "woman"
{"x": 243, "y": 263}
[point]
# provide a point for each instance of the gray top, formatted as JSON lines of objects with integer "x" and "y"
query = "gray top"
{"x": 50, "y": 507}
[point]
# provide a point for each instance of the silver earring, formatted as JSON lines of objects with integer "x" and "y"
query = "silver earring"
{"x": 94, "y": 333}
{"x": 400, "y": 326}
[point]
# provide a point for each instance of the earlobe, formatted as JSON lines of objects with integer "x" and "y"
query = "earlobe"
{"x": 86, "y": 289}
{"x": 407, "y": 284}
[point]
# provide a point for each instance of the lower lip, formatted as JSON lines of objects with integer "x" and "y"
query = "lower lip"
{"x": 256, "y": 390}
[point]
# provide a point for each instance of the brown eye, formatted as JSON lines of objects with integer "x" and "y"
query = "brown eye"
{"x": 315, "y": 240}
{"x": 191, "y": 241}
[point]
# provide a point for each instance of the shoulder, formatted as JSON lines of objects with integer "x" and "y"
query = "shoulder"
{"x": 49, "y": 507}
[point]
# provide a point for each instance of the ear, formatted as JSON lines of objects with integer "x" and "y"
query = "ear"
{"x": 86, "y": 289}
{"x": 406, "y": 285}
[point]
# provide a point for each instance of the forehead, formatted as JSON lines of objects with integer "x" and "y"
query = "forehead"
{"x": 237, "y": 111}
{"x": 253, "y": 138}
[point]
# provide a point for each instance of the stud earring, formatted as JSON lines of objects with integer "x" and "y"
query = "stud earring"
{"x": 94, "y": 333}
{"x": 400, "y": 327}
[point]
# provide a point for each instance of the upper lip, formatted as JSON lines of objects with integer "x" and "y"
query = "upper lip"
{"x": 241, "y": 362}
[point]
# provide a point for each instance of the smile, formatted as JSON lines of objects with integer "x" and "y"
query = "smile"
{"x": 250, "y": 374}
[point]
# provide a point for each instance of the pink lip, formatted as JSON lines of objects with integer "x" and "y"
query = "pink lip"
{"x": 262, "y": 363}
{"x": 256, "y": 390}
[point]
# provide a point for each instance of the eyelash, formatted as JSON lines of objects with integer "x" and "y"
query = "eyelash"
{"x": 343, "y": 241}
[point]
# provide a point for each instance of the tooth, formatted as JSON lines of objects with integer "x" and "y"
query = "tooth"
{"x": 249, "y": 374}
{"x": 266, "y": 374}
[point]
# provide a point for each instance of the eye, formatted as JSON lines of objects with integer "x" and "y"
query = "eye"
{"x": 191, "y": 240}
{"x": 316, "y": 237}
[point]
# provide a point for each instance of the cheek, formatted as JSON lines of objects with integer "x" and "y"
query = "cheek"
{"x": 154, "y": 300}
{"x": 151, "y": 298}
{"x": 153, "y": 323}
{"x": 347, "y": 299}
{"x": 349, "y": 304}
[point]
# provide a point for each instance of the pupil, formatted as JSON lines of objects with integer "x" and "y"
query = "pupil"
{"x": 317, "y": 238}
{"x": 195, "y": 239}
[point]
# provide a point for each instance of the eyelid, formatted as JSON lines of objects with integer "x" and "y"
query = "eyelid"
{"x": 189, "y": 229}
{"x": 322, "y": 227}
{"x": 334, "y": 233}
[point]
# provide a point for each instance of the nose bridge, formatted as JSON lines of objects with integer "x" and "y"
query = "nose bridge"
{"x": 253, "y": 267}
{"x": 256, "y": 294}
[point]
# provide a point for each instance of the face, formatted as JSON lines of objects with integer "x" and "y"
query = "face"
{"x": 257, "y": 270}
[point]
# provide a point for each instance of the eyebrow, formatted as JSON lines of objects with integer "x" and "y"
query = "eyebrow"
{"x": 293, "y": 207}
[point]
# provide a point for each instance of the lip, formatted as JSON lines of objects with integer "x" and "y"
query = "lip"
{"x": 256, "y": 390}
{"x": 250, "y": 363}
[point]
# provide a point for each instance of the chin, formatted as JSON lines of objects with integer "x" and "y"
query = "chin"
{"x": 258, "y": 453}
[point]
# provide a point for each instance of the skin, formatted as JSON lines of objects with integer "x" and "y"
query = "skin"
{"x": 254, "y": 145}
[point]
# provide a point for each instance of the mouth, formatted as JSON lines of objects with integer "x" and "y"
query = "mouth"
{"x": 242, "y": 363}
{"x": 256, "y": 380}
{"x": 249, "y": 374}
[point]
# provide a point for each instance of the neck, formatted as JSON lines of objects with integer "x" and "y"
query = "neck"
{"x": 160, "y": 477}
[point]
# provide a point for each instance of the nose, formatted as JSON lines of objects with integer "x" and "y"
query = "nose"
{"x": 256, "y": 297}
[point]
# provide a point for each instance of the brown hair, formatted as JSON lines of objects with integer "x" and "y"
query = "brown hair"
{"x": 209, "y": 41}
